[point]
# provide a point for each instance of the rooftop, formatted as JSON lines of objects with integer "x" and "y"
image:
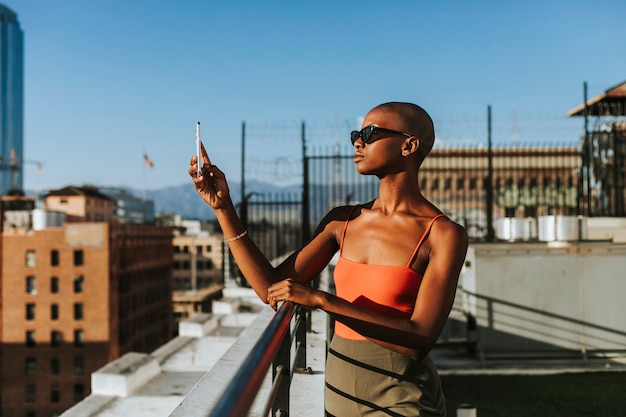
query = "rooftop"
{"x": 185, "y": 377}
{"x": 611, "y": 102}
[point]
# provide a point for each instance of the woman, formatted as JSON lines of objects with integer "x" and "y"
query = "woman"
{"x": 400, "y": 259}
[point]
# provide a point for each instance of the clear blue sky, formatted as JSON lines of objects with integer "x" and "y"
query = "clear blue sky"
{"x": 106, "y": 81}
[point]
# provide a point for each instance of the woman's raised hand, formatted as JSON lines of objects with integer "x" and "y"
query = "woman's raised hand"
{"x": 211, "y": 184}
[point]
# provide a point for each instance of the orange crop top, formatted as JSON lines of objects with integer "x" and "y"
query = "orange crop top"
{"x": 390, "y": 290}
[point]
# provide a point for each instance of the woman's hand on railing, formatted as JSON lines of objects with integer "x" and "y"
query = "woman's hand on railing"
{"x": 291, "y": 290}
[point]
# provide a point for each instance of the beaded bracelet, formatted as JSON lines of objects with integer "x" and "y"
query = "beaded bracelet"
{"x": 239, "y": 236}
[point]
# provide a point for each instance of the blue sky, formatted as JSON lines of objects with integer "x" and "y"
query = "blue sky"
{"x": 106, "y": 81}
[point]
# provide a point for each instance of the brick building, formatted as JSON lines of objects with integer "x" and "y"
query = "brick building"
{"x": 198, "y": 273}
{"x": 84, "y": 203}
{"x": 75, "y": 297}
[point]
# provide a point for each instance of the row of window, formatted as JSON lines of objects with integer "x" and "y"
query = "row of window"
{"x": 181, "y": 284}
{"x": 55, "y": 366}
{"x": 31, "y": 258}
{"x": 55, "y": 394}
{"x": 56, "y": 338}
{"x": 31, "y": 284}
{"x": 199, "y": 249}
{"x": 54, "y": 311}
{"x": 200, "y": 265}
{"x": 473, "y": 182}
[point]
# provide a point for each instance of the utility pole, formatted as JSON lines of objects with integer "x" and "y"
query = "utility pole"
{"x": 490, "y": 231}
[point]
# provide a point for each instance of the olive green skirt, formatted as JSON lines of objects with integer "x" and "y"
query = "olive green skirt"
{"x": 365, "y": 379}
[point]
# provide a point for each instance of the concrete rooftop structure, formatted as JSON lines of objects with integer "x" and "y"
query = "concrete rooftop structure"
{"x": 155, "y": 384}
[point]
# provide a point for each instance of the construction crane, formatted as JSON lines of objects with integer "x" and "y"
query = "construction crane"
{"x": 11, "y": 164}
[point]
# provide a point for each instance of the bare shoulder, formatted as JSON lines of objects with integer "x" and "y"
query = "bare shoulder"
{"x": 449, "y": 235}
{"x": 334, "y": 220}
{"x": 340, "y": 213}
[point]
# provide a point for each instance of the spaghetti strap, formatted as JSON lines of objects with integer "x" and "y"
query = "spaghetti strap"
{"x": 423, "y": 238}
{"x": 345, "y": 227}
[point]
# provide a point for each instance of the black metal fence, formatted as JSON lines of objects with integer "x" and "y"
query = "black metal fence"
{"x": 274, "y": 221}
{"x": 475, "y": 186}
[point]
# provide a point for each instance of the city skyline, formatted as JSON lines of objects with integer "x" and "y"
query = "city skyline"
{"x": 107, "y": 84}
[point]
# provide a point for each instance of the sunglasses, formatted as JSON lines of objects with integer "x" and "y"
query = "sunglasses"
{"x": 368, "y": 131}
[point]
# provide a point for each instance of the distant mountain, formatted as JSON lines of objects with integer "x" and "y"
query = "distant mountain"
{"x": 184, "y": 200}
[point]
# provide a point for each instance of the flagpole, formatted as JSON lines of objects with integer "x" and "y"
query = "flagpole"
{"x": 146, "y": 161}
{"x": 143, "y": 194}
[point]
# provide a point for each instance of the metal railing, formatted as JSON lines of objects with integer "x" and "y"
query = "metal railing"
{"x": 274, "y": 348}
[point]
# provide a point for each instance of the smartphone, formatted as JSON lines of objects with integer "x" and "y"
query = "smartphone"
{"x": 198, "y": 147}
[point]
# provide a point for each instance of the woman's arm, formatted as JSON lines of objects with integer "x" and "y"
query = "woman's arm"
{"x": 302, "y": 266}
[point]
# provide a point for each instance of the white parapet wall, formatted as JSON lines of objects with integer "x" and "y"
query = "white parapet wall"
{"x": 546, "y": 297}
{"x": 607, "y": 228}
{"x": 199, "y": 325}
{"x": 124, "y": 375}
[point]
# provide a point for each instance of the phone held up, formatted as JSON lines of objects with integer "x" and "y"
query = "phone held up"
{"x": 198, "y": 147}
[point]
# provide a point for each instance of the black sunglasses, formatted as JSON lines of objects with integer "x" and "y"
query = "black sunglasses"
{"x": 368, "y": 131}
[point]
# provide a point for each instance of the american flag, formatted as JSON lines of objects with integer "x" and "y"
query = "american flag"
{"x": 147, "y": 160}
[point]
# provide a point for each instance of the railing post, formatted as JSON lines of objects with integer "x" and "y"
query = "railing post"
{"x": 281, "y": 372}
{"x": 301, "y": 318}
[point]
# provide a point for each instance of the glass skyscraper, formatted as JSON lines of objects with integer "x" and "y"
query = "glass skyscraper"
{"x": 11, "y": 102}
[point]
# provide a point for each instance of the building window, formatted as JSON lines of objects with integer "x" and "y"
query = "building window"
{"x": 55, "y": 393}
{"x": 176, "y": 265}
{"x": 54, "y": 285}
{"x": 30, "y": 311}
{"x": 78, "y": 283}
{"x": 185, "y": 249}
{"x": 78, "y": 311}
{"x": 55, "y": 338}
{"x": 199, "y": 265}
{"x": 54, "y": 257}
{"x": 31, "y": 285}
{"x": 79, "y": 392}
{"x": 55, "y": 366}
{"x": 31, "y": 366}
{"x": 199, "y": 250}
{"x": 79, "y": 338}
{"x": 30, "y": 338}
{"x": 79, "y": 365}
{"x": 30, "y": 393}
{"x": 54, "y": 311}
{"x": 209, "y": 248}
{"x": 31, "y": 259}
{"x": 79, "y": 257}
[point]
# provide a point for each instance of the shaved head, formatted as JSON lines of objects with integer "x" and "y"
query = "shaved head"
{"x": 415, "y": 121}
